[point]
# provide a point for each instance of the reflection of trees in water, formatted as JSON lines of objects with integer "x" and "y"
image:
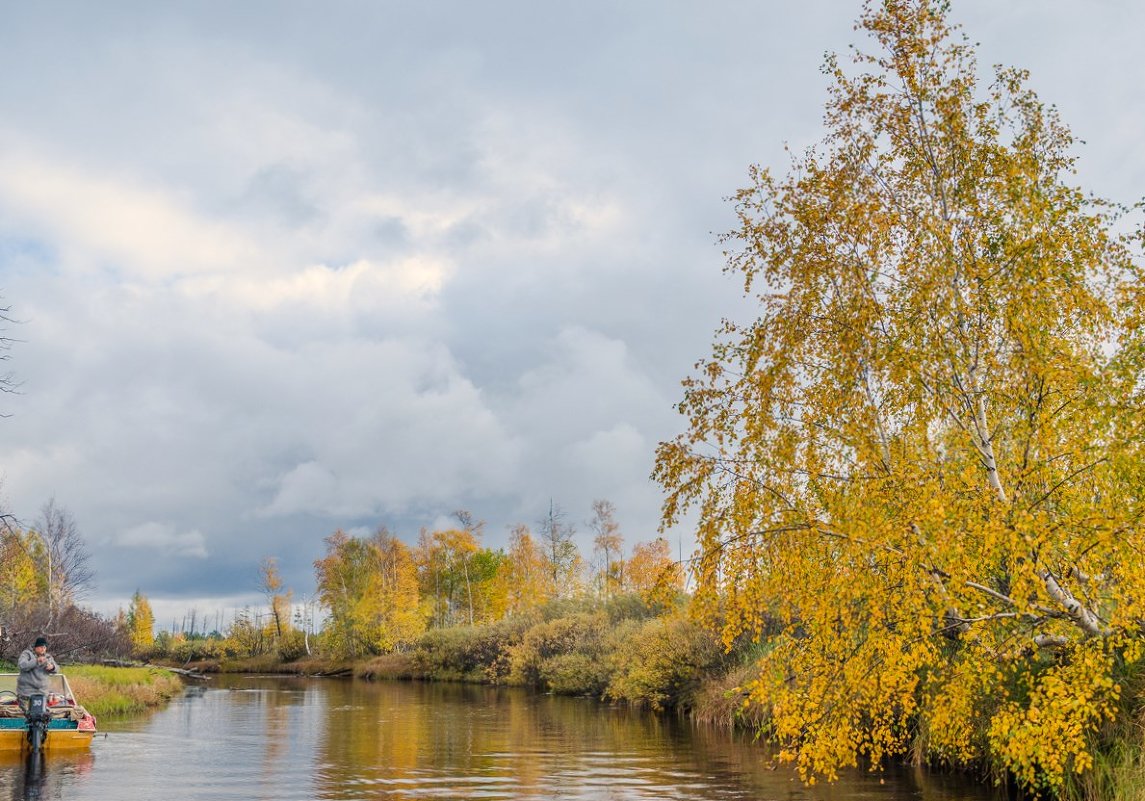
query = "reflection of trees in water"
{"x": 337, "y": 739}
{"x": 511, "y": 743}
{"x": 716, "y": 752}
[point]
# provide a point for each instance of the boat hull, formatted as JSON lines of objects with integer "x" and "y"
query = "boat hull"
{"x": 15, "y": 739}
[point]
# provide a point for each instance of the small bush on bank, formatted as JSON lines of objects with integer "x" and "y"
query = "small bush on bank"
{"x": 540, "y": 656}
{"x": 263, "y": 663}
{"x": 453, "y": 654}
{"x": 628, "y": 606}
{"x": 662, "y": 663}
{"x": 614, "y": 649}
{"x": 720, "y": 700}
{"x": 471, "y": 653}
{"x": 197, "y": 649}
{"x": 578, "y": 673}
{"x": 317, "y": 665}
{"x": 292, "y": 646}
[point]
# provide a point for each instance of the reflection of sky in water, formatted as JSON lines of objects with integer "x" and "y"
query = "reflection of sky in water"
{"x": 283, "y": 739}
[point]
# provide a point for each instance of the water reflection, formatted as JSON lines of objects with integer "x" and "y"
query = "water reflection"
{"x": 275, "y": 738}
{"x": 458, "y": 741}
{"x": 33, "y": 777}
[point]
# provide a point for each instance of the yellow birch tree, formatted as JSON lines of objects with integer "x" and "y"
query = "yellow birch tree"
{"x": 22, "y": 583}
{"x": 270, "y": 583}
{"x": 370, "y": 589}
{"x": 524, "y": 573}
{"x": 924, "y": 457}
{"x": 140, "y": 623}
{"x": 653, "y": 574}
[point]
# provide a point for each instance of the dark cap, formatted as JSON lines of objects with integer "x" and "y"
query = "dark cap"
{"x": 40, "y": 641}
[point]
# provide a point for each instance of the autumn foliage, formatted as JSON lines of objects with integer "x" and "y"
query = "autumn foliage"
{"x": 370, "y": 589}
{"x": 923, "y": 458}
{"x": 380, "y": 595}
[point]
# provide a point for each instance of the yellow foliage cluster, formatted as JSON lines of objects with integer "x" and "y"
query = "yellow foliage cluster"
{"x": 1048, "y": 735}
{"x": 140, "y": 623}
{"x": 923, "y": 461}
{"x": 370, "y": 588}
{"x": 22, "y": 577}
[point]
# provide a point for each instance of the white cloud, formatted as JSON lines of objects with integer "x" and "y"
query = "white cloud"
{"x": 362, "y": 286}
{"x": 381, "y": 426}
{"x": 209, "y": 612}
{"x": 146, "y": 232}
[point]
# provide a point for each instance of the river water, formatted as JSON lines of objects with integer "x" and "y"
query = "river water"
{"x": 289, "y": 738}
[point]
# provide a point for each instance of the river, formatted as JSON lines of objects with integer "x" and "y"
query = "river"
{"x": 290, "y": 738}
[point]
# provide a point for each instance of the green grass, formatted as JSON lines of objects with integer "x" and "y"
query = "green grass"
{"x": 1118, "y": 774}
{"x": 121, "y": 690}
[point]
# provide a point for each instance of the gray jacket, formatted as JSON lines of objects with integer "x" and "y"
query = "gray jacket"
{"x": 33, "y": 676}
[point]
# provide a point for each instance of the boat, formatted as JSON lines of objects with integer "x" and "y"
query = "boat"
{"x": 52, "y": 722}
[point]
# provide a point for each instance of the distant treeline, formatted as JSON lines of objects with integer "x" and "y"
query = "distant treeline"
{"x": 377, "y": 595}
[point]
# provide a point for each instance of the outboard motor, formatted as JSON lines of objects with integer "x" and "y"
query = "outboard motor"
{"x": 38, "y": 718}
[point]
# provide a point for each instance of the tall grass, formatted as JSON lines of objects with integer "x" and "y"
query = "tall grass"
{"x": 121, "y": 690}
{"x": 1118, "y": 774}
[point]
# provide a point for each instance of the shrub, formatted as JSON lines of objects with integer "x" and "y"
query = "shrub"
{"x": 195, "y": 649}
{"x": 395, "y": 665}
{"x": 662, "y": 662}
{"x": 451, "y": 654}
{"x": 471, "y": 653}
{"x": 628, "y": 606}
{"x": 292, "y": 646}
{"x": 580, "y": 633}
{"x": 722, "y": 700}
{"x": 576, "y": 673}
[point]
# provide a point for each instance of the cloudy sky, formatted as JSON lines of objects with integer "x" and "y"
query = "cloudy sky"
{"x": 284, "y": 267}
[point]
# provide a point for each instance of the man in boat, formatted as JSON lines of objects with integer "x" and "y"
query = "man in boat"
{"x": 36, "y": 665}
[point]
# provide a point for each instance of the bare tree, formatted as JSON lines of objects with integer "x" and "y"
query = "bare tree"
{"x": 469, "y": 523}
{"x": 559, "y": 547}
{"x": 70, "y": 576}
{"x": 607, "y": 545}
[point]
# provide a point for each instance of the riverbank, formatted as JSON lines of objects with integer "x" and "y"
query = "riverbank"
{"x": 660, "y": 663}
{"x": 107, "y": 690}
{"x": 619, "y": 651}
{"x": 660, "y": 660}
